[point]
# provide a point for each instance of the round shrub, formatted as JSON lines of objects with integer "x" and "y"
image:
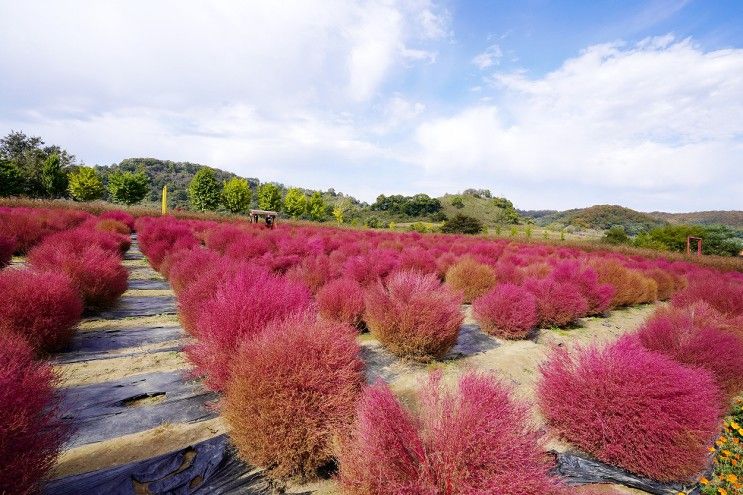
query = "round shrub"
{"x": 558, "y": 304}
{"x": 598, "y": 296}
{"x": 471, "y": 278}
{"x": 691, "y": 336}
{"x": 31, "y": 433}
{"x": 111, "y": 225}
{"x": 413, "y": 315}
{"x": 7, "y": 248}
{"x": 239, "y": 310}
{"x": 633, "y": 408}
{"x": 186, "y": 266}
{"x": 41, "y": 307}
{"x": 98, "y": 275}
{"x": 294, "y": 389}
{"x": 341, "y": 300}
{"x": 507, "y": 311}
{"x": 630, "y": 286}
{"x": 119, "y": 215}
{"x": 461, "y": 441}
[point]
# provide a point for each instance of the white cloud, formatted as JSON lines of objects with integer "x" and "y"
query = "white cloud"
{"x": 657, "y": 116}
{"x": 489, "y": 57}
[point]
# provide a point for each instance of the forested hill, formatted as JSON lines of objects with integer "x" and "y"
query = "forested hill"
{"x": 176, "y": 175}
{"x": 600, "y": 217}
{"x": 732, "y": 219}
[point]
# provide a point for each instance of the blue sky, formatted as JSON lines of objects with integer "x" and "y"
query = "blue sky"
{"x": 551, "y": 104}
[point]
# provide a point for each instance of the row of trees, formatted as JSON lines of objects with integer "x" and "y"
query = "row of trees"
{"x": 414, "y": 206}
{"x": 30, "y": 168}
{"x": 236, "y": 196}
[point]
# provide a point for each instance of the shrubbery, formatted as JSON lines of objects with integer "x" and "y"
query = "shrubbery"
{"x": 460, "y": 441}
{"x": 462, "y": 224}
{"x": 726, "y": 296}
{"x": 471, "y": 278}
{"x": 630, "y": 286}
{"x": 294, "y": 389}
{"x": 507, "y": 311}
{"x": 239, "y": 310}
{"x": 558, "y": 303}
{"x": 31, "y": 433}
{"x": 41, "y": 307}
{"x": 697, "y": 335}
{"x": 341, "y": 300}
{"x": 632, "y": 408}
{"x": 97, "y": 274}
{"x": 413, "y": 315}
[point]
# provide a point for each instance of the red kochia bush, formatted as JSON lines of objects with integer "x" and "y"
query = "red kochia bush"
{"x": 726, "y": 296}
{"x": 341, "y": 300}
{"x": 42, "y": 307}
{"x": 413, "y": 315}
{"x": 239, "y": 310}
{"x": 469, "y": 440}
{"x": 31, "y": 433}
{"x": 507, "y": 311}
{"x": 471, "y": 278}
{"x": 294, "y": 389}
{"x": 7, "y": 248}
{"x": 120, "y": 216}
{"x": 111, "y": 225}
{"x": 598, "y": 296}
{"x": 696, "y": 335}
{"x": 187, "y": 265}
{"x": 632, "y": 408}
{"x": 98, "y": 275}
{"x": 558, "y": 303}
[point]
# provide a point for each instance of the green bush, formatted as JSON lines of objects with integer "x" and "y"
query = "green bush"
{"x": 127, "y": 187}
{"x": 236, "y": 195}
{"x": 85, "y": 184}
{"x": 616, "y": 235}
{"x": 716, "y": 239}
{"x": 204, "y": 192}
{"x": 462, "y": 224}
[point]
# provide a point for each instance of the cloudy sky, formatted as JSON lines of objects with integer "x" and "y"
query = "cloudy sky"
{"x": 552, "y": 104}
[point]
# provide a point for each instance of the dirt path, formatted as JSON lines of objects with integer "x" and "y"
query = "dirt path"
{"x": 124, "y": 381}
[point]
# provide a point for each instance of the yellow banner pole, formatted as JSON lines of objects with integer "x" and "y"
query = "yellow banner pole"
{"x": 165, "y": 200}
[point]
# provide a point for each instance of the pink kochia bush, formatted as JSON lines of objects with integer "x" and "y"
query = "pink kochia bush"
{"x": 632, "y": 408}
{"x": 468, "y": 439}
{"x": 558, "y": 303}
{"x": 238, "y": 311}
{"x": 726, "y": 296}
{"x": 413, "y": 315}
{"x": 507, "y": 311}
{"x": 341, "y": 300}
{"x": 293, "y": 391}
{"x": 41, "y": 307}
{"x": 97, "y": 274}
{"x": 598, "y": 296}
{"x": 697, "y": 335}
{"x": 31, "y": 433}
{"x": 120, "y": 216}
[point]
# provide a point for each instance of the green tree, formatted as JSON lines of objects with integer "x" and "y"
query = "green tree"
{"x": 462, "y": 224}
{"x": 616, "y": 235}
{"x": 269, "y": 197}
{"x": 127, "y": 187}
{"x": 204, "y": 191}
{"x": 316, "y": 207}
{"x": 457, "y": 202}
{"x": 53, "y": 176}
{"x": 11, "y": 179}
{"x": 236, "y": 195}
{"x": 85, "y": 184}
{"x": 295, "y": 202}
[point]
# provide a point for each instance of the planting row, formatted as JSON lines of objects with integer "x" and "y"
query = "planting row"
{"x": 275, "y": 314}
{"x": 74, "y": 267}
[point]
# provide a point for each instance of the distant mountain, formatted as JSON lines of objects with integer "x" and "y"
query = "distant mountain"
{"x": 600, "y": 217}
{"x": 176, "y": 175}
{"x": 732, "y": 218}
